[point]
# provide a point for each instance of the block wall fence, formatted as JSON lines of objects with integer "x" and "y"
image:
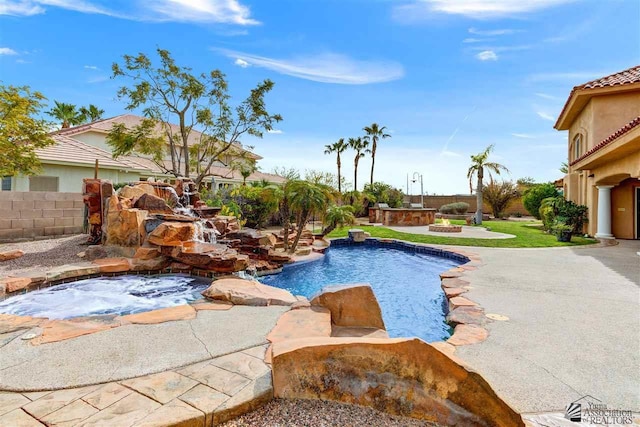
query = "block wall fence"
{"x": 437, "y": 201}
{"x": 39, "y": 214}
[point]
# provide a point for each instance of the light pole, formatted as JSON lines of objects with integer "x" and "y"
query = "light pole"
{"x": 417, "y": 176}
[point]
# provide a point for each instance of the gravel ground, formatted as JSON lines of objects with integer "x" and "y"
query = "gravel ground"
{"x": 43, "y": 253}
{"x": 319, "y": 413}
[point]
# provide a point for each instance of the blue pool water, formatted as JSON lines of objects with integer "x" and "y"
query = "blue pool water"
{"x": 406, "y": 284}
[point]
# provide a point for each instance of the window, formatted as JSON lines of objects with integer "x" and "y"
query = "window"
{"x": 6, "y": 183}
{"x": 43, "y": 183}
{"x": 577, "y": 146}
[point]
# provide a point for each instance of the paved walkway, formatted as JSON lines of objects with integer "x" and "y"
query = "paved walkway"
{"x": 572, "y": 330}
{"x": 467, "y": 231}
{"x": 131, "y": 350}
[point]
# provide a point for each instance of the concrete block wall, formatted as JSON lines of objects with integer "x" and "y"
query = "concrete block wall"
{"x": 39, "y": 214}
{"x": 436, "y": 201}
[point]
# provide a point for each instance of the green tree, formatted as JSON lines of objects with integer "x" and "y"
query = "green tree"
{"x": 564, "y": 168}
{"x": 171, "y": 94}
{"x": 359, "y": 145}
{"x": 305, "y": 199}
{"x": 374, "y": 133}
{"x": 381, "y": 192}
{"x": 245, "y": 167}
{"x": 479, "y": 162}
{"x": 67, "y": 114}
{"x": 91, "y": 113}
{"x": 337, "y": 147}
{"x": 337, "y": 216}
{"x": 22, "y": 132}
{"x": 533, "y": 197}
{"x": 499, "y": 195}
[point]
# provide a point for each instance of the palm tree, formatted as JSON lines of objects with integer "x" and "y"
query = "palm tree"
{"x": 67, "y": 114}
{"x": 374, "y": 133}
{"x": 337, "y": 215}
{"x": 337, "y": 147}
{"x": 478, "y": 164}
{"x": 359, "y": 145}
{"x": 305, "y": 199}
{"x": 92, "y": 113}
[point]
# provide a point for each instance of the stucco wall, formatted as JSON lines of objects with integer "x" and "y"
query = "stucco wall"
{"x": 70, "y": 177}
{"x": 582, "y": 124}
{"x": 611, "y": 112}
{"x": 623, "y": 209}
{"x": 29, "y": 215}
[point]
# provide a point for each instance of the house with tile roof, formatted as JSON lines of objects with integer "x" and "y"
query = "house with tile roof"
{"x": 603, "y": 120}
{"x": 76, "y": 149}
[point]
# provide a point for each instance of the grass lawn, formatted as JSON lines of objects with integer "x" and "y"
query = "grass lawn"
{"x": 527, "y": 236}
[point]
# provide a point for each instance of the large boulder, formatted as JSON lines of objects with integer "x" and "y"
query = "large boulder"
{"x": 172, "y": 233}
{"x": 247, "y": 292}
{"x": 403, "y": 376}
{"x": 351, "y": 305}
{"x": 125, "y": 227}
{"x": 251, "y": 237}
{"x": 208, "y": 256}
{"x": 135, "y": 191}
{"x": 153, "y": 204}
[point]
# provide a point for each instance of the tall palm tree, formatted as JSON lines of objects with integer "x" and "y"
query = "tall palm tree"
{"x": 359, "y": 145}
{"x": 92, "y": 113}
{"x": 478, "y": 164}
{"x": 67, "y": 114}
{"x": 305, "y": 199}
{"x": 337, "y": 147}
{"x": 374, "y": 133}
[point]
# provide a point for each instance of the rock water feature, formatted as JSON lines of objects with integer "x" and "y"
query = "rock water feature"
{"x": 162, "y": 226}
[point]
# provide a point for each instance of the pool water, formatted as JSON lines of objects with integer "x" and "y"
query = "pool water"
{"x": 107, "y": 295}
{"x": 406, "y": 284}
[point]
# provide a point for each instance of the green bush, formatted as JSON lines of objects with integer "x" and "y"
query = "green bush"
{"x": 458, "y": 208}
{"x": 533, "y": 197}
{"x": 499, "y": 195}
{"x": 379, "y": 192}
{"x": 557, "y": 210}
{"x": 255, "y": 207}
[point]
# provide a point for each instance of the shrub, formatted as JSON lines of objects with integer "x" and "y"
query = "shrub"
{"x": 256, "y": 209}
{"x": 533, "y": 197}
{"x": 499, "y": 196}
{"x": 458, "y": 208}
{"x": 555, "y": 210}
{"x": 379, "y": 192}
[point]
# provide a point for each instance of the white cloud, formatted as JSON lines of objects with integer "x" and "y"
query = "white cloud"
{"x": 91, "y": 67}
{"x": 545, "y": 116}
{"x": 275, "y": 131}
{"x": 7, "y": 51}
{"x": 216, "y": 11}
{"x": 22, "y": 61}
{"x": 325, "y": 68}
{"x": 205, "y": 11}
{"x": 477, "y": 9}
{"x": 547, "y": 96}
{"x": 447, "y": 153}
{"x": 523, "y": 135}
{"x": 241, "y": 63}
{"x": 499, "y": 32}
{"x": 487, "y": 55}
{"x": 474, "y": 40}
{"x": 20, "y": 8}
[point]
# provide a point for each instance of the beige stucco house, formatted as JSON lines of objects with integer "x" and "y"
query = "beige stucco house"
{"x": 76, "y": 150}
{"x": 603, "y": 120}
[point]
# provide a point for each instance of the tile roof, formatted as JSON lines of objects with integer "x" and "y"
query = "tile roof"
{"x": 628, "y": 76}
{"x": 131, "y": 120}
{"x": 608, "y": 140}
{"x": 69, "y": 150}
{"x": 621, "y": 78}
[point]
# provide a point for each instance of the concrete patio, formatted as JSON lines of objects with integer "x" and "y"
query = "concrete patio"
{"x": 470, "y": 232}
{"x": 572, "y": 328}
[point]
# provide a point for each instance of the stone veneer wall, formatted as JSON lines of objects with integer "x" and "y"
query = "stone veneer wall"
{"x": 39, "y": 214}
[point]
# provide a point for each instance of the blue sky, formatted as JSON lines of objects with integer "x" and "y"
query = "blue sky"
{"x": 447, "y": 77}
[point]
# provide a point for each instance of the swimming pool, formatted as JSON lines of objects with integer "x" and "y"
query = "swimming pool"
{"x": 406, "y": 284}
{"x": 107, "y": 295}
